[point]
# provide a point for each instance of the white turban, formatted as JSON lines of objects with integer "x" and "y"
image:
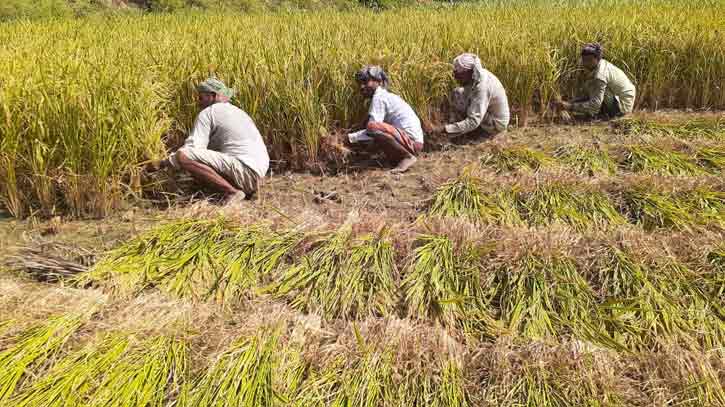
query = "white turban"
{"x": 468, "y": 62}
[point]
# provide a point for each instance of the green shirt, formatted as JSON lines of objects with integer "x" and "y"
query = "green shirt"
{"x": 606, "y": 82}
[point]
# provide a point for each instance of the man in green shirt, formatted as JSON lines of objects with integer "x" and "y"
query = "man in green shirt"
{"x": 608, "y": 91}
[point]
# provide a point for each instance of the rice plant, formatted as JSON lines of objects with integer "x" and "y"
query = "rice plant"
{"x": 655, "y": 160}
{"x": 175, "y": 256}
{"x": 145, "y": 377}
{"x": 32, "y": 348}
{"x": 707, "y": 205}
{"x": 241, "y": 376}
{"x": 463, "y": 197}
{"x": 446, "y": 282}
{"x": 77, "y": 135}
{"x": 560, "y": 203}
{"x": 506, "y": 159}
{"x": 586, "y": 160}
{"x": 346, "y": 276}
{"x": 75, "y": 376}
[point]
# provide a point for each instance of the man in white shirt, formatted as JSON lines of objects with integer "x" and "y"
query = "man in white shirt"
{"x": 224, "y": 150}
{"x": 392, "y": 125}
{"x": 608, "y": 91}
{"x": 481, "y": 100}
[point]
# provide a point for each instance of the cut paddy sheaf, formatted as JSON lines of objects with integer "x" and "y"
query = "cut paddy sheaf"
{"x": 198, "y": 259}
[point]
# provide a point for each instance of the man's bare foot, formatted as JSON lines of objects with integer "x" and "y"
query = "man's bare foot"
{"x": 234, "y": 199}
{"x": 404, "y": 164}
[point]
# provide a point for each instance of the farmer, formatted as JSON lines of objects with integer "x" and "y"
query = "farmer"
{"x": 481, "y": 99}
{"x": 224, "y": 150}
{"x": 392, "y": 126}
{"x": 609, "y": 92}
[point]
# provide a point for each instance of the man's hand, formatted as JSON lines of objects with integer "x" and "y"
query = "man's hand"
{"x": 157, "y": 165}
{"x": 438, "y": 129}
{"x": 561, "y": 105}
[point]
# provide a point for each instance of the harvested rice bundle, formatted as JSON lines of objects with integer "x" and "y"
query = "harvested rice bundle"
{"x": 464, "y": 197}
{"x": 444, "y": 280}
{"x": 512, "y": 158}
{"x": 143, "y": 377}
{"x": 346, "y": 276}
{"x": 711, "y": 158}
{"x": 586, "y": 160}
{"x": 241, "y": 376}
{"x": 581, "y": 208}
{"x": 75, "y": 376}
{"x": 653, "y": 209}
{"x": 33, "y": 347}
{"x": 652, "y": 159}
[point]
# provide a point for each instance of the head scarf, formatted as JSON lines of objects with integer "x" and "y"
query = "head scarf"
{"x": 373, "y": 72}
{"x": 214, "y": 85}
{"x": 593, "y": 49}
{"x": 469, "y": 62}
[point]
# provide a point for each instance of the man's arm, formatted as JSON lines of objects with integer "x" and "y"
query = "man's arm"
{"x": 199, "y": 137}
{"x": 593, "y": 104}
{"x": 475, "y": 113}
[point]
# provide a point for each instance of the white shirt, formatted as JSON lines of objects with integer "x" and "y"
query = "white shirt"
{"x": 486, "y": 96}
{"x": 227, "y": 129}
{"x": 390, "y": 108}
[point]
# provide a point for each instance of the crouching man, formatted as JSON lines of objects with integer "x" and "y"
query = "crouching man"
{"x": 224, "y": 151}
{"x": 608, "y": 91}
{"x": 480, "y": 102}
{"x": 392, "y": 125}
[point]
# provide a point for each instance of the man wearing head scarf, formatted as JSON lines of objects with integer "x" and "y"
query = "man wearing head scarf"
{"x": 224, "y": 150}
{"x": 608, "y": 91}
{"x": 481, "y": 100}
{"x": 392, "y": 125}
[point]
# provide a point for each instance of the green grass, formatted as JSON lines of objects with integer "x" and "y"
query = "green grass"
{"x": 346, "y": 276}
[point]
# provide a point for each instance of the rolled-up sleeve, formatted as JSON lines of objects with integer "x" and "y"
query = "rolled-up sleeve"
{"x": 199, "y": 137}
{"x": 474, "y": 113}
{"x": 596, "y": 88}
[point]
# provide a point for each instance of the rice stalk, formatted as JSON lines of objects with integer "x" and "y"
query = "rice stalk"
{"x": 248, "y": 257}
{"x": 646, "y": 304}
{"x": 241, "y": 376}
{"x": 560, "y": 203}
{"x": 655, "y": 160}
{"x": 546, "y": 296}
{"x": 75, "y": 376}
{"x": 144, "y": 377}
{"x": 711, "y": 158}
{"x": 708, "y": 128}
{"x": 512, "y": 158}
{"x": 653, "y": 210}
{"x": 586, "y": 160}
{"x": 463, "y": 197}
{"x": 32, "y": 348}
{"x": 445, "y": 282}
{"x": 177, "y": 257}
{"x": 707, "y": 205}
{"x": 345, "y": 276}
